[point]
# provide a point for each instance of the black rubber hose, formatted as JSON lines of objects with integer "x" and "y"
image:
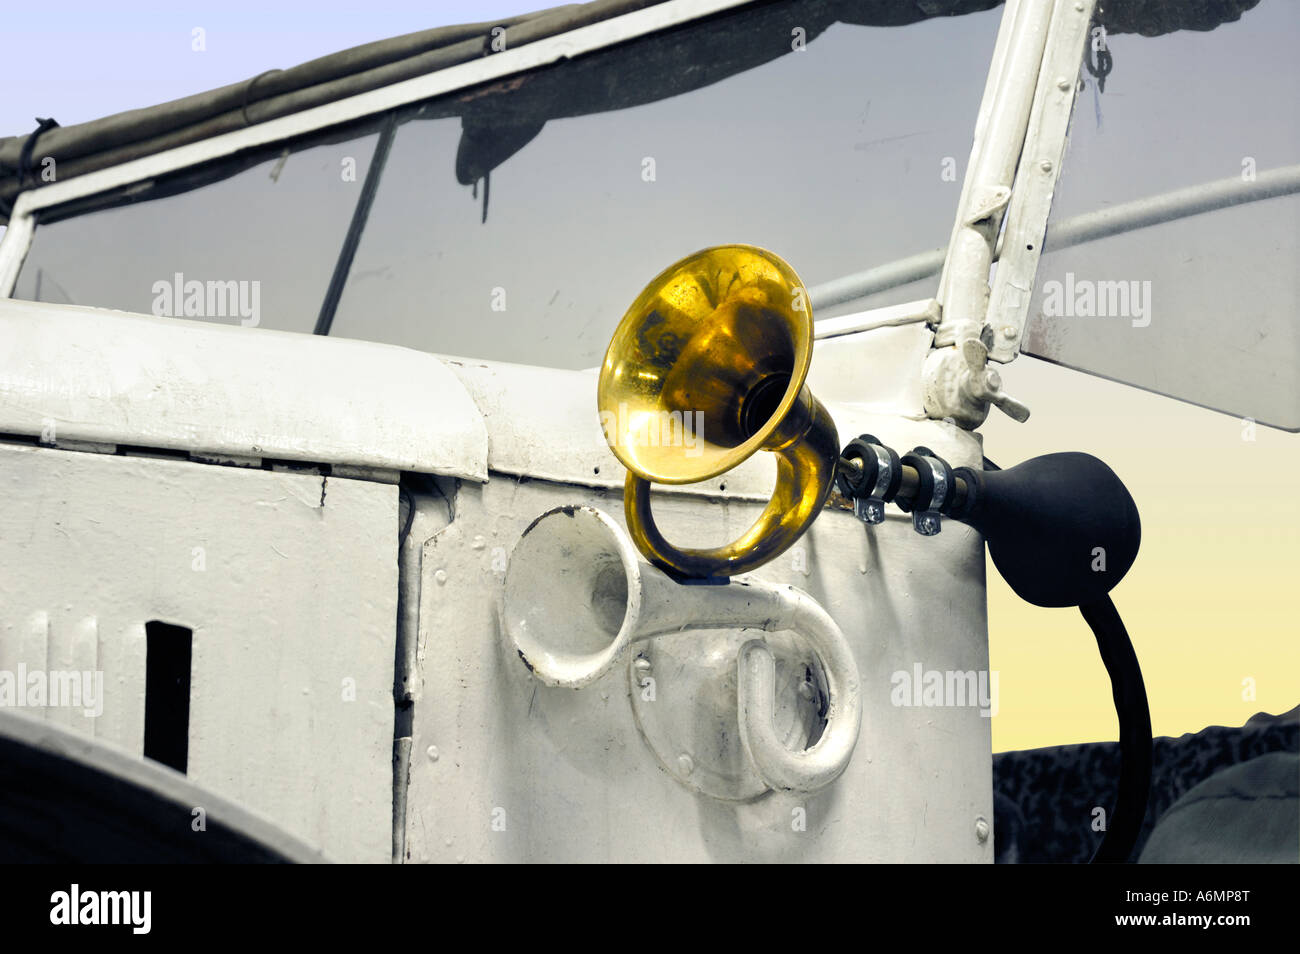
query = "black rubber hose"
{"x": 1125, "y": 821}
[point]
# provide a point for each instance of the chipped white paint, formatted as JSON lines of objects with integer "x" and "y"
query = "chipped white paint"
{"x": 92, "y": 374}
{"x": 289, "y": 583}
{"x": 527, "y": 772}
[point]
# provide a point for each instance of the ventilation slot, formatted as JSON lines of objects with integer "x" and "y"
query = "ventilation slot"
{"x": 167, "y": 694}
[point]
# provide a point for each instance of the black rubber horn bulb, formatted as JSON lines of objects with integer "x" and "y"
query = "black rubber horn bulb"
{"x": 1062, "y": 529}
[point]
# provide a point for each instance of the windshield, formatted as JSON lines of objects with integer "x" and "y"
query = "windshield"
{"x": 837, "y": 158}
{"x": 1202, "y": 307}
{"x": 517, "y": 221}
{"x": 272, "y": 229}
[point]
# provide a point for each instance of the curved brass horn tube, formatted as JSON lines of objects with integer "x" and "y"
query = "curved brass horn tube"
{"x": 806, "y": 446}
{"x": 706, "y": 369}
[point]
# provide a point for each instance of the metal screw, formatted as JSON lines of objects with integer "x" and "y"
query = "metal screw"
{"x": 869, "y": 510}
{"x": 981, "y": 829}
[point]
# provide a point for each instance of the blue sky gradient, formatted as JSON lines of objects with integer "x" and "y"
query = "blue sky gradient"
{"x": 84, "y": 59}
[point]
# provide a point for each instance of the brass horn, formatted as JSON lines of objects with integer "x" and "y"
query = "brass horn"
{"x": 707, "y": 367}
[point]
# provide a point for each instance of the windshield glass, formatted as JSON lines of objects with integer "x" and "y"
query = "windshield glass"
{"x": 840, "y": 156}
{"x": 256, "y": 248}
{"x": 517, "y": 221}
{"x": 1197, "y": 306}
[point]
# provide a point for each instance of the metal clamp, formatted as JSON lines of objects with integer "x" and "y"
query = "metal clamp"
{"x": 935, "y": 488}
{"x": 875, "y": 481}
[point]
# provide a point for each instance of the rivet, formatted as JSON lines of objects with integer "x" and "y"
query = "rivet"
{"x": 440, "y": 577}
{"x": 982, "y": 829}
{"x": 1046, "y": 165}
{"x": 685, "y": 764}
{"x": 1062, "y": 83}
{"x": 432, "y": 752}
{"x": 642, "y": 664}
{"x": 1009, "y": 331}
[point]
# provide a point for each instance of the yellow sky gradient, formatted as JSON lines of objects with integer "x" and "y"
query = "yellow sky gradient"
{"x": 1212, "y": 598}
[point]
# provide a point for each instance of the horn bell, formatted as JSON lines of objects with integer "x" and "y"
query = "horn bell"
{"x": 708, "y": 367}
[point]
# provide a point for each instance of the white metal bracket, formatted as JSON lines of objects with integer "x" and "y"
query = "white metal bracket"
{"x": 1015, "y": 161}
{"x": 1040, "y": 168}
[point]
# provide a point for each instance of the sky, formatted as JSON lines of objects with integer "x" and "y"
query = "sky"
{"x": 1209, "y": 603}
{"x": 116, "y": 56}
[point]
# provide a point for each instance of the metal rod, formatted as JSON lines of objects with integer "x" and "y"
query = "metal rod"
{"x": 1170, "y": 206}
{"x": 325, "y": 319}
{"x": 910, "y": 482}
{"x": 1103, "y": 223}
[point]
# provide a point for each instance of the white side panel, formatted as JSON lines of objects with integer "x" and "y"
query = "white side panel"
{"x": 91, "y": 374}
{"x": 289, "y": 583}
{"x": 506, "y": 769}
